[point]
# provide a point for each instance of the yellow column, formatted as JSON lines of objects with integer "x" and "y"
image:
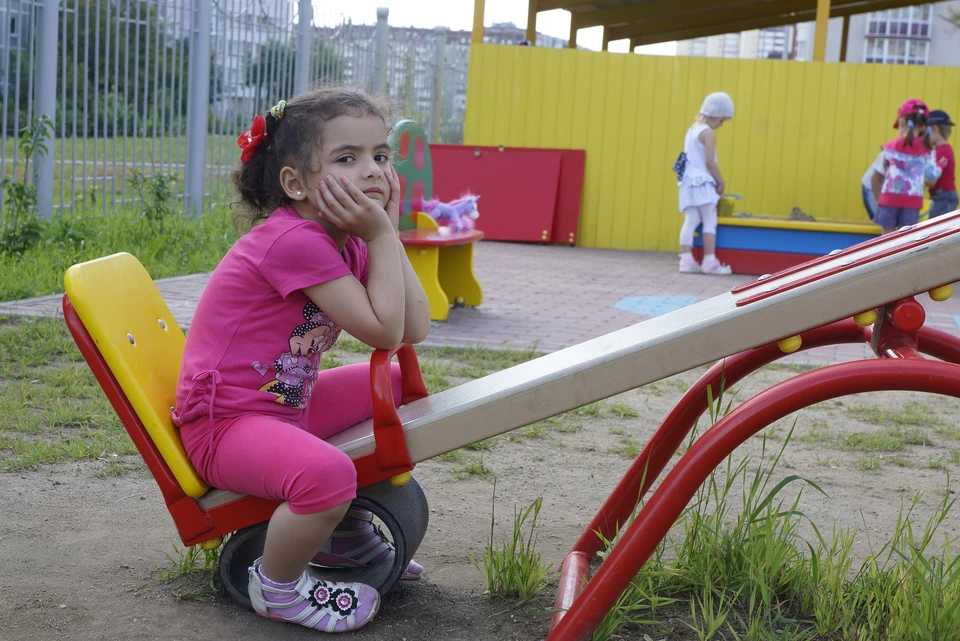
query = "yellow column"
{"x": 532, "y": 7}
{"x": 844, "y": 39}
{"x": 476, "y": 37}
{"x": 820, "y": 39}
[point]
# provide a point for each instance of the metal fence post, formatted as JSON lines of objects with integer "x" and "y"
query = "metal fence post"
{"x": 382, "y": 48}
{"x": 301, "y": 71}
{"x": 46, "y": 96}
{"x": 439, "y": 62}
{"x": 198, "y": 95}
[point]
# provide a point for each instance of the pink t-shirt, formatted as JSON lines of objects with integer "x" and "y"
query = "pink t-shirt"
{"x": 256, "y": 339}
{"x": 948, "y": 165}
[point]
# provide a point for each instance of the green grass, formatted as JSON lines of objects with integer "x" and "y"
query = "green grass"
{"x": 514, "y": 568}
{"x": 909, "y": 414}
{"x": 185, "y": 245}
{"x": 478, "y": 360}
{"x": 52, "y": 409}
{"x": 622, "y": 410}
{"x": 741, "y": 568}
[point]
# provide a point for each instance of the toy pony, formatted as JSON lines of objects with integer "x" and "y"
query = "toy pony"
{"x": 457, "y": 215}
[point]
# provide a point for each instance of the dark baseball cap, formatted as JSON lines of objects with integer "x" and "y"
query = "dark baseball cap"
{"x": 940, "y": 117}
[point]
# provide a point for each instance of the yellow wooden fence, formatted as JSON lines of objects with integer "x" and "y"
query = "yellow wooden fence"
{"x": 803, "y": 135}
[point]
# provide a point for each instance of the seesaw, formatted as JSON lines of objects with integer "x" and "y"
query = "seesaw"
{"x": 135, "y": 355}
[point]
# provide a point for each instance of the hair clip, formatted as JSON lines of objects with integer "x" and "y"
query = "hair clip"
{"x": 910, "y": 124}
{"x": 250, "y": 140}
{"x": 277, "y": 110}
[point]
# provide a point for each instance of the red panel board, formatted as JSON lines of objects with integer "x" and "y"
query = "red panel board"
{"x": 517, "y": 187}
{"x": 567, "y": 215}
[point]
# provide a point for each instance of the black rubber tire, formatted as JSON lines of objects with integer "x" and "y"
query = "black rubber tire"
{"x": 402, "y": 510}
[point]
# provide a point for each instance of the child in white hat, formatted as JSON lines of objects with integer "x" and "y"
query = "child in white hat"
{"x": 701, "y": 184}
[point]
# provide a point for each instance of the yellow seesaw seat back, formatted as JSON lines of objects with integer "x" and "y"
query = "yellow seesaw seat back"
{"x": 142, "y": 344}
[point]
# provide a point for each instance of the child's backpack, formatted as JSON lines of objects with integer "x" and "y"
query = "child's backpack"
{"x": 680, "y": 165}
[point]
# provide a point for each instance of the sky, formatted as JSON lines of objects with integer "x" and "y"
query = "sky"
{"x": 458, "y": 15}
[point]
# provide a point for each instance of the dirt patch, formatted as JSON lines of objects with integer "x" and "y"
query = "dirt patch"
{"x": 82, "y": 551}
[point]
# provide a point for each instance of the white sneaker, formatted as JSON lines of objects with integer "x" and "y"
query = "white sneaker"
{"x": 715, "y": 267}
{"x": 689, "y": 266}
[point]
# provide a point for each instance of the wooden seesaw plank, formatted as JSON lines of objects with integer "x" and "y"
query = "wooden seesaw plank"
{"x": 861, "y": 278}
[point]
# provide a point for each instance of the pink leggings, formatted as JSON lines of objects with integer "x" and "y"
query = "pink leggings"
{"x": 279, "y": 459}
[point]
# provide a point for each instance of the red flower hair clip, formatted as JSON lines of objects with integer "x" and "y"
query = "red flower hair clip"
{"x": 250, "y": 140}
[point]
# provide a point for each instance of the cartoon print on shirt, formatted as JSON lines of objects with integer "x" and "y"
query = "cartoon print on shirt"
{"x": 297, "y": 368}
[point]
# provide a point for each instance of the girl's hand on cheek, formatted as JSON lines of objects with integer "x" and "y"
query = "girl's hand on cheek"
{"x": 351, "y": 210}
{"x": 393, "y": 204}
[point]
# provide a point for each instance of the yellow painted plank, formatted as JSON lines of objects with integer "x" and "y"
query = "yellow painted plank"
{"x": 792, "y": 142}
{"x": 643, "y": 78}
{"x": 505, "y": 97}
{"x": 822, "y": 139}
{"x": 489, "y": 95}
{"x": 519, "y": 61}
{"x": 846, "y": 202}
{"x": 758, "y": 119}
{"x": 623, "y": 204}
{"x": 595, "y": 125}
{"x": 729, "y": 77}
{"x": 741, "y": 134}
{"x": 471, "y": 118}
{"x": 773, "y": 194}
{"x": 847, "y": 228}
{"x": 607, "y": 211}
{"x": 553, "y": 86}
{"x": 536, "y": 83}
{"x": 574, "y": 114}
{"x": 807, "y": 159}
{"x": 673, "y": 82}
{"x": 570, "y": 74}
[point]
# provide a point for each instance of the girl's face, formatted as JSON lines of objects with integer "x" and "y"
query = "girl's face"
{"x": 355, "y": 147}
{"x": 716, "y": 123}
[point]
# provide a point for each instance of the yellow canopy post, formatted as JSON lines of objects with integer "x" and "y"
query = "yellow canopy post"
{"x": 532, "y": 8}
{"x": 476, "y": 37}
{"x": 820, "y": 39}
{"x": 844, "y": 38}
{"x": 574, "y": 26}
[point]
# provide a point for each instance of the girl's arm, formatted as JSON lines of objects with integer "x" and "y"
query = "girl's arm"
{"x": 876, "y": 184}
{"x": 416, "y": 316}
{"x": 709, "y": 140}
{"x": 373, "y": 314}
{"x": 932, "y": 170}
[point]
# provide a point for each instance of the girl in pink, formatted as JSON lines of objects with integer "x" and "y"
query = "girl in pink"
{"x": 319, "y": 201}
{"x": 908, "y": 161}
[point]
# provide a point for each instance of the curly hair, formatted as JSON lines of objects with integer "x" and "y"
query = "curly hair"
{"x": 292, "y": 141}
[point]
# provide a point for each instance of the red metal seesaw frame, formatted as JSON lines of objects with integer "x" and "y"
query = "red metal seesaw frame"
{"x": 898, "y": 337}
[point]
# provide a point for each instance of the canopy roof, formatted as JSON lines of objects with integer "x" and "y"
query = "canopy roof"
{"x": 652, "y": 21}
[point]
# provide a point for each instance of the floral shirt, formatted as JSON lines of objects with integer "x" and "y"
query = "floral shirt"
{"x": 905, "y": 169}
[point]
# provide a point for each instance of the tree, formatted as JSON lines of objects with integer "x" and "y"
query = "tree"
{"x": 118, "y": 61}
{"x": 271, "y": 69}
{"x": 953, "y": 17}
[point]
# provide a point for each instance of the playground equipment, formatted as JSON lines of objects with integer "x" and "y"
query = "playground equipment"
{"x": 442, "y": 259}
{"x": 864, "y": 293}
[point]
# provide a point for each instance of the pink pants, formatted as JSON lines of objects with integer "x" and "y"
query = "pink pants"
{"x": 279, "y": 459}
